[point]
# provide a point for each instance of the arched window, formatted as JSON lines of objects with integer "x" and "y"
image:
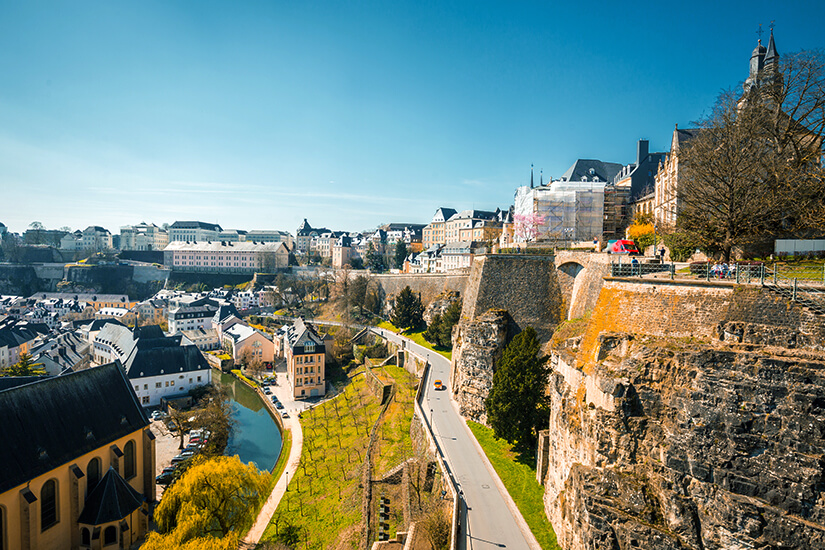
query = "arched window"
{"x": 92, "y": 475}
{"x": 48, "y": 504}
{"x": 129, "y": 459}
{"x": 109, "y": 535}
{"x": 85, "y": 537}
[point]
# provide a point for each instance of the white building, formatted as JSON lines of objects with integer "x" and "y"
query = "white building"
{"x": 94, "y": 238}
{"x": 157, "y": 369}
{"x": 458, "y": 255}
{"x": 194, "y": 231}
{"x": 143, "y": 236}
{"x": 245, "y": 299}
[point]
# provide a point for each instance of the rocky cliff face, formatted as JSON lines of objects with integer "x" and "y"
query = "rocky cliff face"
{"x": 440, "y": 304}
{"x": 477, "y": 346}
{"x": 663, "y": 444}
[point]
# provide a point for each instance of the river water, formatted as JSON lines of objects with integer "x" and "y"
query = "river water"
{"x": 256, "y": 437}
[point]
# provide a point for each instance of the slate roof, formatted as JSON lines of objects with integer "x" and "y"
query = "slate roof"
{"x": 446, "y": 213}
{"x": 606, "y": 171}
{"x": 682, "y": 136}
{"x": 14, "y": 332}
{"x": 300, "y": 332}
{"x": 52, "y": 422}
{"x": 196, "y": 225}
{"x": 111, "y": 500}
{"x": 158, "y": 356}
{"x": 224, "y": 312}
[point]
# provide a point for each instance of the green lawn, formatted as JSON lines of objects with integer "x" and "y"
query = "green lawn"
{"x": 520, "y": 480}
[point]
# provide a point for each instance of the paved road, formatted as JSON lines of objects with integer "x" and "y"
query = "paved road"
{"x": 487, "y": 519}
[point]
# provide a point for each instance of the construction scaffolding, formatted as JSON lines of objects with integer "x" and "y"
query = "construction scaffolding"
{"x": 569, "y": 210}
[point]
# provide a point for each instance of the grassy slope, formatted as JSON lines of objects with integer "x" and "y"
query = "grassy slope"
{"x": 416, "y": 336}
{"x": 520, "y": 480}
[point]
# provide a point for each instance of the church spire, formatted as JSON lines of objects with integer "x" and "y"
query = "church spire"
{"x": 541, "y": 178}
{"x": 531, "y": 176}
{"x": 772, "y": 56}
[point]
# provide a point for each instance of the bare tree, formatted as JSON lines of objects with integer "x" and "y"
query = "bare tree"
{"x": 754, "y": 171}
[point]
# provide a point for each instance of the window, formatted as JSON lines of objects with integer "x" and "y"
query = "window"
{"x": 199, "y": 378}
{"x": 85, "y": 537}
{"x": 158, "y": 385}
{"x": 172, "y": 383}
{"x": 129, "y": 470}
{"x": 92, "y": 475}
{"x": 167, "y": 383}
{"x": 146, "y": 386}
{"x": 109, "y": 535}
{"x": 145, "y": 400}
{"x": 48, "y": 504}
{"x": 137, "y": 388}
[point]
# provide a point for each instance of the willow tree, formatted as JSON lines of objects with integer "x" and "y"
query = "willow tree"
{"x": 214, "y": 501}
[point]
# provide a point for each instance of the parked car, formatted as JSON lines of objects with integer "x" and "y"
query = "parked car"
{"x": 165, "y": 478}
{"x": 285, "y": 414}
{"x": 157, "y": 415}
{"x": 623, "y": 246}
{"x": 267, "y": 390}
{"x": 279, "y": 405}
{"x": 177, "y": 459}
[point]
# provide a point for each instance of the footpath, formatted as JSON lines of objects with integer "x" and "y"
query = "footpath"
{"x": 253, "y": 537}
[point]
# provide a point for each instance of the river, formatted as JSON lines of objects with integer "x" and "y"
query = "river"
{"x": 256, "y": 437}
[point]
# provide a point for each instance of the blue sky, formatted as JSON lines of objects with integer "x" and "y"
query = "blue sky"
{"x": 256, "y": 115}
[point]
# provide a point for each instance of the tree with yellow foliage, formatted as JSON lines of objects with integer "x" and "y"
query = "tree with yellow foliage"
{"x": 210, "y": 507}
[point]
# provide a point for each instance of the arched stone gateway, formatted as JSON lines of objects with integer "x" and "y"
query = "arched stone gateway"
{"x": 569, "y": 281}
{"x": 580, "y": 277}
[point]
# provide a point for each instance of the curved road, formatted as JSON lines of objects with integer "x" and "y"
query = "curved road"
{"x": 489, "y": 518}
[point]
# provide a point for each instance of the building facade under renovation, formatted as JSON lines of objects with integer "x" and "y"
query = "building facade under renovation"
{"x": 569, "y": 209}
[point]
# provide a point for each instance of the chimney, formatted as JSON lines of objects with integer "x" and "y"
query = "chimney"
{"x": 641, "y": 151}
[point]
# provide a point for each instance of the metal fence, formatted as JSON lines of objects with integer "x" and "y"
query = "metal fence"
{"x": 802, "y": 284}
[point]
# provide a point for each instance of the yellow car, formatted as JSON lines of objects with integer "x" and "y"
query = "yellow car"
{"x": 438, "y": 385}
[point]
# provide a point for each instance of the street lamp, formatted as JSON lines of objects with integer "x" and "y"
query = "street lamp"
{"x": 286, "y": 472}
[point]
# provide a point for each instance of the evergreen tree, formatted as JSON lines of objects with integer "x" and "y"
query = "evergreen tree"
{"x": 25, "y": 366}
{"x": 448, "y": 321}
{"x": 374, "y": 260}
{"x": 407, "y": 312}
{"x": 400, "y": 254}
{"x": 517, "y": 404}
{"x": 433, "y": 332}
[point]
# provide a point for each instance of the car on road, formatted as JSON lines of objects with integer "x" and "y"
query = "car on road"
{"x": 285, "y": 414}
{"x": 438, "y": 385}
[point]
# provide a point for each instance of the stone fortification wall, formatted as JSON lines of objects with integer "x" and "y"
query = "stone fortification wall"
{"x": 687, "y": 416}
{"x": 525, "y": 286}
{"x": 429, "y": 285}
{"x": 701, "y": 310}
{"x": 148, "y": 273}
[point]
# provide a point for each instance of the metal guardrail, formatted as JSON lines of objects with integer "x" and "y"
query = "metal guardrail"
{"x": 442, "y": 463}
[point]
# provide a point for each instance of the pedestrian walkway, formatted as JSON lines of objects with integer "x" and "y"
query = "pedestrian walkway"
{"x": 254, "y": 535}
